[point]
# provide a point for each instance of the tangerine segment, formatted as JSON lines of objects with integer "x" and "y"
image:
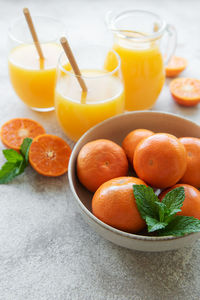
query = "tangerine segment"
{"x": 185, "y": 91}
{"x": 191, "y": 204}
{"x": 114, "y": 204}
{"x": 13, "y": 132}
{"x": 160, "y": 160}
{"x": 99, "y": 161}
{"x": 192, "y": 173}
{"x": 132, "y": 139}
{"x": 49, "y": 155}
{"x": 175, "y": 66}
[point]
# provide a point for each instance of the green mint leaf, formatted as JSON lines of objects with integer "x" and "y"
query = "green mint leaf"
{"x": 12, "y": 156}
{"x": 154, "y": 224}
{"x": 168, "y": 219}
{"x": 145, "y": 200}
{"x": 8, "y": 172}
{"x": 161, "y": 210}
{"x": 25, "y": 147}
{"x": 173, "y": 201}
{"x": 181, "y": 225}
{"x": 21, "y": 166}
{"x": 16, "y": 162}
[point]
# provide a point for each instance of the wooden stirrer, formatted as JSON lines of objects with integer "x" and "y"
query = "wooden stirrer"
{"x": 155, "y": 27}
{"x": 33, "y": 32}
{"x": 73, "y": 63}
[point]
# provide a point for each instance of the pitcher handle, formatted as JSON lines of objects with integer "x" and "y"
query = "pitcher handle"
{"x": 172, "y": 41}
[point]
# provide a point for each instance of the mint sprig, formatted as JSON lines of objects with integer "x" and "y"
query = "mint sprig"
{"x": 12, "y": 156}
{"x": 154, "y": 224}
{"x": 161, "y": 216}
{"x": 146, "y": 201}
{"x": 181, "y": 225}
{"x": 16, "y": 162}
{"x": 25, "y": 147}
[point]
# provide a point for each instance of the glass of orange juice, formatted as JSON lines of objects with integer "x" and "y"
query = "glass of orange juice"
{"x": 32, "y": 78}
{"x": 77, "y": 112}
{"x": 137, "y": 40}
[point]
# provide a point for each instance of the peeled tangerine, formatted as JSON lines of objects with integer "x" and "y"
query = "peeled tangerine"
{"x": 114, "y": 204}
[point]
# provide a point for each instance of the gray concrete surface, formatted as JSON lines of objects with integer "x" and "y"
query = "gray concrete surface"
{"x": 46, "y": 249}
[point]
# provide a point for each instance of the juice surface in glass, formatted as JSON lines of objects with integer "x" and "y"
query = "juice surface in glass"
{"x": 76, "y": 113}
{"x": 34, "y": 79}
{"x": 143, "y": 72}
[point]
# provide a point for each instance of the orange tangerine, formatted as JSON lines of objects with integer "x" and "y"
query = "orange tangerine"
{"x": 192, "y": 173}
{"x": 132, "y": 139}
{"x": 114, "y": 204}
{"x": 175, "y": 66}
{"x": 49, "y": 155}
{"x": 99, "y": 161}
{"x": 185, "y": 91}
{"x": 14, "y": 131}
{"x": 191, "y": 204}
{"x": 160, "y": 160}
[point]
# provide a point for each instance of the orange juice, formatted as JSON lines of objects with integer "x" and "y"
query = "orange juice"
{"x": 33, "y": 79}
{"x": 75, "y": 113}
{"x": 143, "y": 72}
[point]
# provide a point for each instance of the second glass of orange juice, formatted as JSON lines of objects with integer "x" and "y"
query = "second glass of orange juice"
{"x": 77, "y": 112}
{"x": 137, "y": 40}
{"x": 32, "y": 78}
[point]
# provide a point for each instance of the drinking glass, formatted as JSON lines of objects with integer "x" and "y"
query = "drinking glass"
{"x": 77, "y": 112}
{"x": 32, "y": 78}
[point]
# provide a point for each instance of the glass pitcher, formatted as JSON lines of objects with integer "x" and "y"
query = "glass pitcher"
{"x": 137, "y": 40}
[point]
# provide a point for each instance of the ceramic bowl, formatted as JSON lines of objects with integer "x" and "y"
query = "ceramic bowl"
{"x": 116, "y": 129}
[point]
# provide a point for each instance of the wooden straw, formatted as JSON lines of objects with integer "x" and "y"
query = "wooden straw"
{"x": 155, "y": 27}
{"x": 73, "y": 63}
{"x": 33, "y": 32}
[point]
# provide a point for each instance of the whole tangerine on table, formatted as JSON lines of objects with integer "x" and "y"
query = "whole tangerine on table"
{"x": 49, "y": 155}
{"x": 99, "y": 161}
{"x": 191, "y": 204}
{"x": 132, "y": 139}
{"x": 185, "y": 91}
{"x": 160, "y": 160}
{"x": 114, "y": 204}
{"x": 192, "y": 173}
{"x": 14, "y": 131}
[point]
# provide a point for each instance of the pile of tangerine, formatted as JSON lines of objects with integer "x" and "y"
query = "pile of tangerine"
{"x": 159, "y": 160}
